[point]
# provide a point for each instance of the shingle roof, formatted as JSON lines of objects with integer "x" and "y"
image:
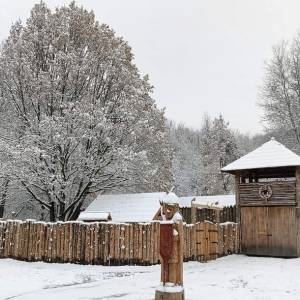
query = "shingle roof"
{"x": 271, "y": 154}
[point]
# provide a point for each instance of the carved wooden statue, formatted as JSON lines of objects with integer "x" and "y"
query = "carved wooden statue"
{"x": 171, "y": 252}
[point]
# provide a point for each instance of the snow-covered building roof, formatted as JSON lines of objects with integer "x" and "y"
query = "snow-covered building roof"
{"x": 216, "y": 201}
{"x": 271, "y": 154}
{"x": 140, "y": 207}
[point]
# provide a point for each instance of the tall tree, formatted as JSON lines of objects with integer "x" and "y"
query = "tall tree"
{"x": 280, "y": 93}
{"x": 218, "y": 148}
{"x": 186, "y": 163}
{"x": 84, "y": 120}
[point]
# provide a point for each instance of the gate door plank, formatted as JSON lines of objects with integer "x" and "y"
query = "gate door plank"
{"x": 254, "y": 230}
{"x": 282, "y": 229}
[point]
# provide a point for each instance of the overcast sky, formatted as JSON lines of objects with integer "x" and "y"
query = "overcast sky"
{"x": 201, "y": 56}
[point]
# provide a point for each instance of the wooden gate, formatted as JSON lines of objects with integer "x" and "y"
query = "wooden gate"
{"x": 269, "y": 231}
{"x": 206, "y": 241}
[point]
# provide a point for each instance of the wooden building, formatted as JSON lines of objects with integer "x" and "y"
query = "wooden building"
{"x": 268, "y": 200}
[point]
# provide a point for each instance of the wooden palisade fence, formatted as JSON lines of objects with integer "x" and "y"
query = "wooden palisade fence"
{"x": 226, "y": 214}
{"x": 110, "y": 243}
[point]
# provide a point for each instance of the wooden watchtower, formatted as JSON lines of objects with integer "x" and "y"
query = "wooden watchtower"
{"x": 268, "y": 200}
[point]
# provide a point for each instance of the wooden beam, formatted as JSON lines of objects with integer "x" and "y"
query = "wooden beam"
{"x": 297, "y": 175}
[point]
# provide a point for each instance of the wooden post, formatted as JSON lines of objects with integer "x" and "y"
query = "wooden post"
{"x": 297, "y": 175}
{"x": 171, "y": 252}
{"x": 193, "y": 213}
{"x": 238, "y": 208}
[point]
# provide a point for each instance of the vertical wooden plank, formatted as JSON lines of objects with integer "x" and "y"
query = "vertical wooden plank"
{"x": 100, "y": 235}
{"x": 156, "y": 242}
{"x": 83, "y": 229}
{"x": 127, "y": 244}
{"x": 135, "y": 243}
{"x": 122, "y": 243}
{"x": 140, "y": 255}
{"x": 106, "y": 252}
{"x": 2, "y": 238}
{"x": 79, "y": 242}
{"x": 96, "y": 243}
{"x": 87, "y": 243}
{"x": 112, "y": 240}
{"x": 220, "y": 240}
{"x": 117, "y": 228}
{"x": 92, "y": 243}
{"x": 131, "y": 244}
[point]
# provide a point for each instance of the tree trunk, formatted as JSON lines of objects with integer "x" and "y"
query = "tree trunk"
{"x": 3, "y": 196}
{"x": 62, "y": 207}
{"x": 1, "y": 211}
{"x": 75, "y": 213}
{"x": 52, "y": 212}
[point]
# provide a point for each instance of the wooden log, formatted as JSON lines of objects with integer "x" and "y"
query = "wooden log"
{"x": 96, "y": 244}
{"x": 2, "y": 238}
{"x": 127, "y": 245}
{"x": 131, "y": 244}
{"x": 117, "y": 244}
{"x": 220, "y": 240}
{"x": 135, "y": 243}
{"x": 140, "y": 243}
{"x": 83, "y": 229}
{"x": 87, "y": 244}
{"x": 106, "y": 252}
{"x": 144, "y": 250}
{"x": 148, "y": 243}
{"x": 122, "y": 243}
{"x": 112, "y": 241}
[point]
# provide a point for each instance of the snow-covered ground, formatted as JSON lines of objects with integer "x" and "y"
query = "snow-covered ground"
{"x": 232, "y": 277}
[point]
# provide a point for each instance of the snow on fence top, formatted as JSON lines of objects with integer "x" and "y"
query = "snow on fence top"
{"x": 218, "y": 200}
{"x": 140, "y": 207}
{"x": 271, "y": 154}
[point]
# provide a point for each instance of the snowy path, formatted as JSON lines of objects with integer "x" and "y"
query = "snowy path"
{"x": 232, "y": 277}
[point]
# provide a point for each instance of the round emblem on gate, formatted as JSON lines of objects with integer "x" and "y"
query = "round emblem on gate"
{"x": 265, "y": 191}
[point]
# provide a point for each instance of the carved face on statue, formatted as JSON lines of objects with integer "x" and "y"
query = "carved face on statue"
{"x": 169, "y": 210}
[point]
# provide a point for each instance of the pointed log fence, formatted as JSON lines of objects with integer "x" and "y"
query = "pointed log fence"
{"x": 110, "y": 243}
{"x": 226, "y": 214}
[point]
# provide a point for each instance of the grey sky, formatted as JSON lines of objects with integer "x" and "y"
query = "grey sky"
{"x": 202, "y": 56}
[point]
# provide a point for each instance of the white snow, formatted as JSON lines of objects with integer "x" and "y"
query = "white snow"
{"x": 140, "y": 207}
{"x": 93, "y": 216}
{"x": 269, "y": 155}
{"x": 170, "y": 288}
{"x": 233, "y": 277}
{"x": 218, "y": 200}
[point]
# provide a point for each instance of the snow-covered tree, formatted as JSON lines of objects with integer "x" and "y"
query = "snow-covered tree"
{"x": 218, "y": 148}
{"x": 186, "y": 163}
{"x": 83, "y": 118}
{"x": 280, "y": 93}
{"x": 199, "y": 156}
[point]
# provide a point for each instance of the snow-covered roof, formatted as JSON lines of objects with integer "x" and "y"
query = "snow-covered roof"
{"x": 271, "y": 154}
{"x": 93, "y": 216}
{"x": 140, "y": 207}
{"x": 218, "y": 200}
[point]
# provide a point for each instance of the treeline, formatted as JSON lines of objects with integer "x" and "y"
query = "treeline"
{"x": 200, "y": 154}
